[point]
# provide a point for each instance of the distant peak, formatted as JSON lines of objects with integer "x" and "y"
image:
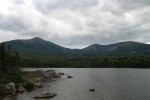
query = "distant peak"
{"x": 129, "y": 42}
{"x": 95, "y": 45}
{"x": 36, "y": 38}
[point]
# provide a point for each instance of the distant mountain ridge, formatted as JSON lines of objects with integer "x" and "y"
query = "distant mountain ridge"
{"x": 125, "y": 48}
{"x": 38, "y": 45}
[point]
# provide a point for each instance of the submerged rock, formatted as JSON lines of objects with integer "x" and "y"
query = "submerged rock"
{"x": 70, "y": 76}
{"x": 91, "y": 89}
{"x": 45, "y": 96}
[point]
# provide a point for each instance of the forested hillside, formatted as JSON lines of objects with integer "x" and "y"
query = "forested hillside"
{"x": 37, "y": 52}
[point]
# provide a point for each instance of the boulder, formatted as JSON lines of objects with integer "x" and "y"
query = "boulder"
{"x": 38, "y": 85}
{"x": 21, "y": 90}
{"x": 45, "y": 96}
{"x": 51, "y": 72}
{"x": 61, "y": 73}
{"x": 91, "y": 89}
{"x": 37, "y": 80}
{"x": 47, "y": 74}
{"x": 57, "y": 76}
{"x": 40, "y": 71}
{"x": 11, "y": 88}
{"x": 70, "y": 76}
{"x": 43, "y": 73}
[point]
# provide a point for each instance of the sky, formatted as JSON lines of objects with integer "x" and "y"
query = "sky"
{"x": 76, "y": 23}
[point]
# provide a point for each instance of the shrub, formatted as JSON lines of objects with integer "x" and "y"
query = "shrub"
{"x": 29, "y": 86}
{"x": 15, "y": 76}
{"x": 3, "y": 90}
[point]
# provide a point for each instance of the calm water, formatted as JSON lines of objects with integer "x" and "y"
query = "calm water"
{"x": 110, "y": 84}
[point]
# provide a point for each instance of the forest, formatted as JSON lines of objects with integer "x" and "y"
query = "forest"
{"x": 12, "y": 59}
{"x": 8, "y": 60}
{"x": 89, "y": 62}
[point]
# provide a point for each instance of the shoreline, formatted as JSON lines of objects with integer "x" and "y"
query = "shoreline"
{"x": 37, "y": 79}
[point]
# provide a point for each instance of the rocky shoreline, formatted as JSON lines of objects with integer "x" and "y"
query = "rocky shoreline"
{"x": 37, "y": 78}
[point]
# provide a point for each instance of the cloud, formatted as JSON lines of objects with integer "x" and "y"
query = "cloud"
{"x": 76, "y": 23}
{"x": 133, "y": 4}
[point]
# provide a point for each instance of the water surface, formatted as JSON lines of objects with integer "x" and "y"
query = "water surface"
{"x": 110, "y": 84}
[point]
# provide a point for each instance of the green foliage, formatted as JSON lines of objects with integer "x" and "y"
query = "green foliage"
{"x": 29, "y": 86}
{"x": 8, "y": 60}
{"x": 37, "y": 52}
{"x": 89, "y": 62}
{"x": 9, "y": 68}
{"x": 3, "y": 90}
{"x": 2, "y": 57}
{"x": 15, "y": 76}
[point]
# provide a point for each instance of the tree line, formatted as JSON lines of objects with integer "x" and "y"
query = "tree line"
{"x": 89, "y": 62}
{"x": 8, "y": 60}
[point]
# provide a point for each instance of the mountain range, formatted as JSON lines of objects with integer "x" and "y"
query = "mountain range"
{"x": 39, "y": 46}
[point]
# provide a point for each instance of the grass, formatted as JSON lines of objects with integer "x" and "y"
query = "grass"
{"x": 18, "y": 77}
{"x": 29, "y": 86}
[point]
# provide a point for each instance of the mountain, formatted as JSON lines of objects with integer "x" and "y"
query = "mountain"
{"x": 39, "y": 46}
{"x": 121, "y": 48}
{"x": 36, "y": 45}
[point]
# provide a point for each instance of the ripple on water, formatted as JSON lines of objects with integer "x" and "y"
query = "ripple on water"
{"x": 110, "y": 84}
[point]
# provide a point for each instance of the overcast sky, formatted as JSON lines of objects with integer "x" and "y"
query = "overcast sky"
{"x": 76, "y": 23}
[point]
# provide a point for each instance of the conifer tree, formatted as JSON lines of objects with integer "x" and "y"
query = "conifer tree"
{"x": 3, "y": 57}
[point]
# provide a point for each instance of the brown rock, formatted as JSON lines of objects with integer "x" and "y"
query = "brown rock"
{"x": 38, "y": 85}
{"x": 45, "y": 96}
{"x": 61, "y": 73}
{"x": 21, "y": 90}
{"x": 57, "y": 76}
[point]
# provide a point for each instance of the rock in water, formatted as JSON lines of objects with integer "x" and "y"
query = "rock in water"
{"x": 45, "y": 96}
{"x": 52, "y": 72}
{"x": 91, "y": 89}
{"x": 57, "y": 76}
{"x": 61, "y": 73}
{"x": 70, "y": 76}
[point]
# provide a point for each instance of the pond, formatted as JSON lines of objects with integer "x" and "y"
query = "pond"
{"x": 109, "y": 83}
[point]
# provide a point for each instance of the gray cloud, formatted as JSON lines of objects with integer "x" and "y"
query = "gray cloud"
{"x": 53, "y": 5}
{"x": 12, "y": 23}
{"x": 76, "y": 23}
{"x": 133, "y": 4}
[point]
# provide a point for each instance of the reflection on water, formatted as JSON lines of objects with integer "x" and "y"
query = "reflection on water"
{"x": 110, "y": 84}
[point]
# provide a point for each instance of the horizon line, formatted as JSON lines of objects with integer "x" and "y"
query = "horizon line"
{"x": 76, "y": 47}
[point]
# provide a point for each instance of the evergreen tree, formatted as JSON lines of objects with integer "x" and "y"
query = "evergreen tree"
{"x": 3, "y": 57}
{"x": 8, "y": 60}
